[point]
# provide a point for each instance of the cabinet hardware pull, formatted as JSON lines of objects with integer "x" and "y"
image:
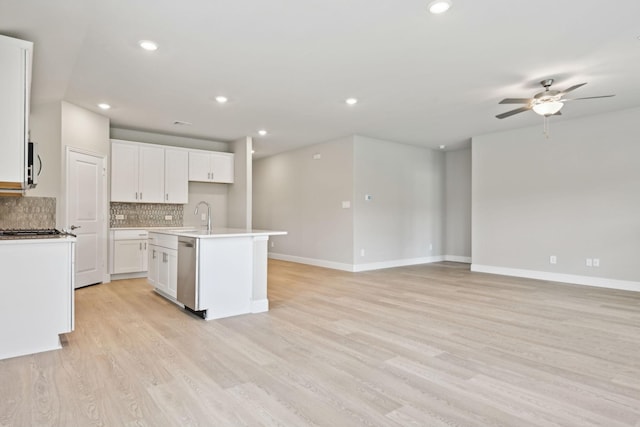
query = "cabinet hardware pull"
{"x": 136, "y": 195}
{"x": 166, "y": 196}
{"x": 140, "y": 245}
{"x": 141, "y": 195}
{"x": 153, "y": 255}
{"x": 145, "y": 246}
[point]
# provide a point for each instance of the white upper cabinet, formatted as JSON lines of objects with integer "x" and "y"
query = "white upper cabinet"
{"x": 151, "y": 178}
{"x": 137, "y": 172}
{"x": 148, "y": 173}
{"x": 15, "y": 84}
{"x": 207, "y": 166}
{"x": 176, "y": 176}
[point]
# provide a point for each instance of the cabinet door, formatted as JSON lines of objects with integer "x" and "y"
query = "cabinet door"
{"x": 176, "y": 176}
{"x": 163, "y": 272}
{"x": 172, "y": 280}
{"x": 13, "y": 106}
{"x": 124, "y": 172}
{"x": 199, "y": 166}
{"x": 151, "y": 177}
{"x": 128, "y": 256}
{"x": 153, "y": 265}
{"x": 222, "y": 167}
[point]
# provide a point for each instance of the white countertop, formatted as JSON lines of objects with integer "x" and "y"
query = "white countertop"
{"x": 31, "y": 240}
{"x": 219, "y": 232}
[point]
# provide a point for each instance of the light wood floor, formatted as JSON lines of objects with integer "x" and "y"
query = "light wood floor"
{"x": 430, "y": 345}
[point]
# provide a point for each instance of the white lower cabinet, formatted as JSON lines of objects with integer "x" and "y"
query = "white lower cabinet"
{"x": 163, "y": 263}
{"x": 36, "y": 294}
{"x": 128, "y": 251}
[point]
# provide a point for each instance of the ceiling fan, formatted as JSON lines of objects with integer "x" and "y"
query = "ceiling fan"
{"x": 546, "y": 103}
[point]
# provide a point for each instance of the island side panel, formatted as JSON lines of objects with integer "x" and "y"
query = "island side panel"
{"x": 226, "y": 275}
{"x": 259, "y": 300}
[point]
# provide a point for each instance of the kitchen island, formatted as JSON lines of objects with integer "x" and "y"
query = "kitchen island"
{"x": 216, "y": 273}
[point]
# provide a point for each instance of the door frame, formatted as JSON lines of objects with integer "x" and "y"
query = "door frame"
{"x": 106, "y": 277}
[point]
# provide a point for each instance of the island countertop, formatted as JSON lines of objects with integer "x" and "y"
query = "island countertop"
{"x": 220, "y": 232}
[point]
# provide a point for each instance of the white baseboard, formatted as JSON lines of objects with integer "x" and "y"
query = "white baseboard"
{"x": 396, "y": 263}
{"x": 260, "y": 305}
{"x": 600, "y": 282}
{"x": 312, "y": 261}
{"x": 456, "y": 258}
{"x": 128, "y": 275}
{"x": 354, "y": 268}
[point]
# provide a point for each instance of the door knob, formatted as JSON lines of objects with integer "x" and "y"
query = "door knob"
{"x": 73, "y": 227}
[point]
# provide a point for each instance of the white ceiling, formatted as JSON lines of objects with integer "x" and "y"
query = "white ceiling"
{"x": 288, "y": 65}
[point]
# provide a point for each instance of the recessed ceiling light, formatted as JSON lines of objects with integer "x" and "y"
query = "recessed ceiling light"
{"x": 221, "y": 99}
{"x": 351, "y": 101}
{"x": 253, "y": 151}
{"x": 262, "y": 132}
{"x": 104, "y": 106}
{"x": 148, "y": 45}
{"x": 442, "y": 147}
{"x": 439, "y": 6}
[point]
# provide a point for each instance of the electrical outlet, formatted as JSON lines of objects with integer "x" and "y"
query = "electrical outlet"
{"x": 368, "y": 197}
{"x": 596, "y": 262}
{"x": 346, "y": 204}
{"x": 203, "y": 217}
{"x": 553, "y": 259}
{"x": 361, "y": 252}
{"x": 589, "y": 262}
{"x": 430, "y": 246}
{"x": 168, "y": 217}
{"x": 119, "y": 216}
{"x": 273, "y": 244}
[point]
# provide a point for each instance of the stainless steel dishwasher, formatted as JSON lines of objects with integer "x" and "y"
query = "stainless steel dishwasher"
{"x": 187, "y": 289}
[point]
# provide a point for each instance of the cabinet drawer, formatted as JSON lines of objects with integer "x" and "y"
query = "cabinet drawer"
{"x": 130, "y": 234}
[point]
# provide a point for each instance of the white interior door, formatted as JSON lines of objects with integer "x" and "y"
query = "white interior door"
{"x": 86, "y": 216}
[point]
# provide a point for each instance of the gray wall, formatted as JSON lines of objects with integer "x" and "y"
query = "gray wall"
{"x": 458, "y": 205}
{"x": 303, "y": 196}
{"x": 575, "y": 196}
{"x": 172, "y": 140}
{"x": 405, "y": 214}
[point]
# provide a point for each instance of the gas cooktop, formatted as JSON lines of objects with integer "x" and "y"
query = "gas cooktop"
{"x": 47, "y": 233}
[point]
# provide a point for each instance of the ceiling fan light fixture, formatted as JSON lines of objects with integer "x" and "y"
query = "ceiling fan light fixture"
{"x": 439, "y": 6}
{"x": 548, "y": 108}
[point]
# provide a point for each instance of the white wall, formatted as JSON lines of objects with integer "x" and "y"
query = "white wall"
{"x": 296, "y": 193}
{"x": 239, "y": 211}
{"x": 403, "y": 223}
{"x": 575, "y": 196}
{"x": 458, "y": 205}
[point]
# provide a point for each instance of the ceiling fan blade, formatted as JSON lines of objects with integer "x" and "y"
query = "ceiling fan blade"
{"x": 515, "y": 101}
{"x": 512, "y": 112}
{"x": 573, "y": 88}
{"x": 588, "y": 97}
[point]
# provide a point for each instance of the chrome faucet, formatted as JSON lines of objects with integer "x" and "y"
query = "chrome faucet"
{"x": 208, "y": 213}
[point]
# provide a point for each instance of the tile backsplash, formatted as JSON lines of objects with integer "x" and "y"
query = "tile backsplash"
{"x": 27, "y": 212}
{"x": 145, "y": 215}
